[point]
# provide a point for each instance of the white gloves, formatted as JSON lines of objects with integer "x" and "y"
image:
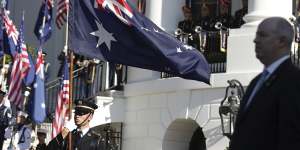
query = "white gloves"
{"x": 70, "y": 125}
{"x": 8, "y": 132}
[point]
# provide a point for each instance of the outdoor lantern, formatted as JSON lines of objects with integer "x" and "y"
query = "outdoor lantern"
{"x": 230, "y": 105}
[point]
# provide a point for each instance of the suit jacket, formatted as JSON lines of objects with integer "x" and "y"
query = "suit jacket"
{"x": 90, "y": 141}
{"x": 272, "y": 119}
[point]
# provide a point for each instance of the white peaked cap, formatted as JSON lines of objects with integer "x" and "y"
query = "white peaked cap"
{"x": 22, "y": 113}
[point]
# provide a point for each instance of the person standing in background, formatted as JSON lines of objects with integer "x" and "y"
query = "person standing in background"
{"x": 19, "y": 135}
{"x": 41, "y": 135}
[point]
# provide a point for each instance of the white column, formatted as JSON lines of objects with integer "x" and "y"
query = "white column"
{"x": 154, "y": 11}
{"x": 261, "y": 9}
{"x": 165, "y": 14}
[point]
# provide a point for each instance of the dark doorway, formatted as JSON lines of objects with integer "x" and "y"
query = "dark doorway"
{"x": 198, "y": 140}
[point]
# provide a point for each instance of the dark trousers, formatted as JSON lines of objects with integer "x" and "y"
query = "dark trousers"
{"x": 2, "y": 132}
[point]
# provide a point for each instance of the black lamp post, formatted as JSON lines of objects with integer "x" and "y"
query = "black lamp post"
{"x": 230, "y": 105}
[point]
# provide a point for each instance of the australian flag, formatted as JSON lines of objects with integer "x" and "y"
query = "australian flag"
{"x": 44, "y": 19}
{"x": 38, "y": 108}
{"x": 10, "y": 35}
{"x": 111, "y": 30}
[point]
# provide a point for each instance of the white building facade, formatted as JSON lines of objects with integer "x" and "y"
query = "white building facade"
{"x": 163, "y": 114}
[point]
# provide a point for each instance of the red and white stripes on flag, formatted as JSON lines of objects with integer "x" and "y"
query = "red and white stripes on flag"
{"x": 62, "y": 107}
{"x": 15, "y": 87}
{"x": 25, "y": 63}
{"x": 61, "y": 15}
{"x": 20, "y": 68}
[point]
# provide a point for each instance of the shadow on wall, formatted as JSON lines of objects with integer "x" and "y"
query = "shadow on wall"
{"x": 214, "y": 135}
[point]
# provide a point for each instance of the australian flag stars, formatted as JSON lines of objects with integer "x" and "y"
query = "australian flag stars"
{"x": 42, "y": 29}
{"x": 111, "y": 30}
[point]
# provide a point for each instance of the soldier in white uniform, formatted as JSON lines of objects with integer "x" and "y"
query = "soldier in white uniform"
{"x": 19, "y": 136}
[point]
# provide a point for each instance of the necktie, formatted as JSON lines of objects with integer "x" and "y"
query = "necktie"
{"x": 258, "y": 85}
{"x": 77, "y": 137}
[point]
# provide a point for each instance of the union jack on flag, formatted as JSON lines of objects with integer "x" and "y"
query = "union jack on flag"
{"x": 119, "y": 7}
{"x": 12, "y": 33}
{"x": 40, "y": 65}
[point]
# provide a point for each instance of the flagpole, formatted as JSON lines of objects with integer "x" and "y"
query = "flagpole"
{"x": 3, "y": 2}
{"x": 70, "y": 53}
{"x": 71, "y": 94}
{"x": 3, "y": 60}
{"x": 71, "y": 84}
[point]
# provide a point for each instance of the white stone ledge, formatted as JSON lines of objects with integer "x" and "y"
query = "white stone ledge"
{"x": 178, "y": 84}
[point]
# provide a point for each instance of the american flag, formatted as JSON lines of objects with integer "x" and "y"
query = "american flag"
{"x": 22, "y": 49}
{"x": 15, "y": 87}
{"x": 61, "y": 111}
{"x": 21, "y": 65}
{"x": 62, "y": 9}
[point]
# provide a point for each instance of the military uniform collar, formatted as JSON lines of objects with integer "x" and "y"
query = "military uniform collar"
{"x": 84, "y": 131}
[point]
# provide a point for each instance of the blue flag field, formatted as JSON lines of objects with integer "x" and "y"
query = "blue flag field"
{"x": 111, "y": 30}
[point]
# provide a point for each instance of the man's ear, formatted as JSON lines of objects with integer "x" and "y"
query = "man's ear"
{"x": 282, "y": 42}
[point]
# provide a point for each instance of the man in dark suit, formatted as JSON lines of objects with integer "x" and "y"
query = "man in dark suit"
{"x": 83, "y": 137}
{"x": 269, "y": 115}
